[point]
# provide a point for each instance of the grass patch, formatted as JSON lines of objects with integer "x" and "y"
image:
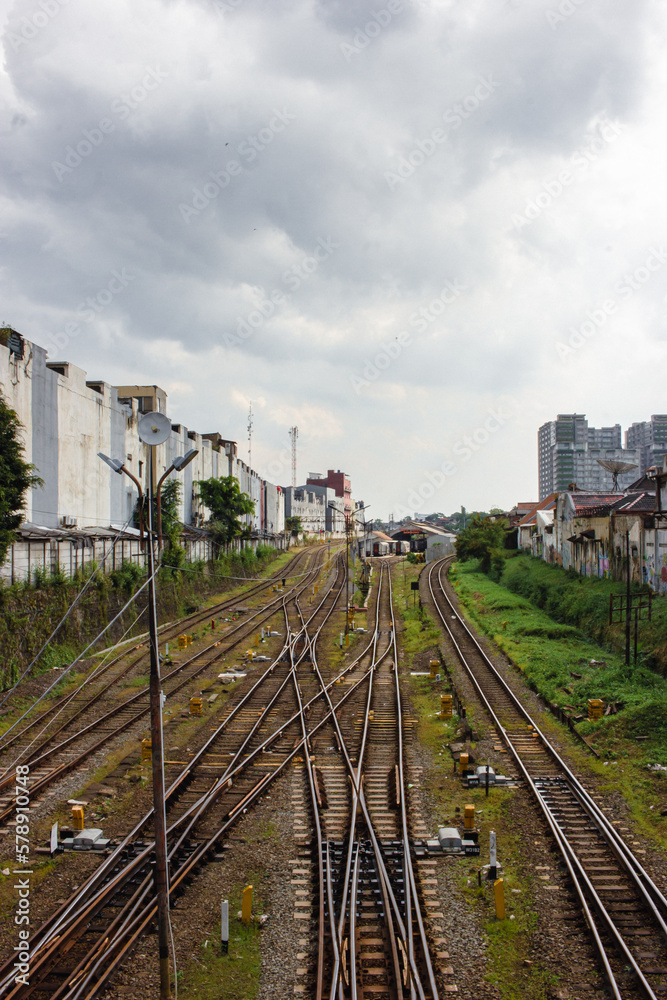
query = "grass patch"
{"x": 583, "y": 602}
{"x": 235, "y": 976}
{"x": 551, "y": 655}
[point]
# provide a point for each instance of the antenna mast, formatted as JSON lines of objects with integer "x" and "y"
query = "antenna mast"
{"x": 250, "y": 435}
{"x": 294, "y": 433}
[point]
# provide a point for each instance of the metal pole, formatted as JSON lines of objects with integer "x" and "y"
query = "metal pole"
{"x": 161, "y": 873}
{"x": 347, "y": 576}
{"x": 627, "y": 601}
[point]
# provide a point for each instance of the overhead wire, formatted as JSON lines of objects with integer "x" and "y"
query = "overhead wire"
{"x": 69, "y": 611}
{"x": 67, "y": 670}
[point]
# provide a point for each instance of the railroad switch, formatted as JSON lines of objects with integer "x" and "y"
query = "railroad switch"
{"x": 87, "y": 839}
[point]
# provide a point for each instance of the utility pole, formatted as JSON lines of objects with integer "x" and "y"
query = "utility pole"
{"x": 627, "y": 600}
{"x": 161, "y": 878}
{"x": 250, "y": 435}
{"x": 293, "y": 433}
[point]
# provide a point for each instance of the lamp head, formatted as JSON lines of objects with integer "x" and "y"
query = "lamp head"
{"x": 180, "y": 462}
{"x": 113, "y": 463}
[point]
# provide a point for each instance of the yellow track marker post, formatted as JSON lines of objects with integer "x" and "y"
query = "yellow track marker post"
{"x": 499, "y": 894}
{"x": 246, "y": 905}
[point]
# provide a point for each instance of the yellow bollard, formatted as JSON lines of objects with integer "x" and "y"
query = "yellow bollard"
{"x": 463, "y": 762}
{"x": 189, "y": 638}
{"x": 595, "y": 709}
{"x": 433, "y": 668}
{"x": 469, "y": 817}
{"x": 146, "y": 749}
{"x": 446, "y": 706}
{"x": 77, "y": 817}
{"x": 246, "y": 905}
{"x": 499, "y": 894}
{"x": 195, "y": 706}
{"x": 182, "y": 641}
{"x": 256, "y": 642}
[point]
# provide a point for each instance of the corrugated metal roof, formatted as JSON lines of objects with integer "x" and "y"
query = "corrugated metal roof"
{"x": 545, "y": 504}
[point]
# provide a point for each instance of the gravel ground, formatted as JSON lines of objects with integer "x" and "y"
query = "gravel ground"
{"x": 263, "y": 843}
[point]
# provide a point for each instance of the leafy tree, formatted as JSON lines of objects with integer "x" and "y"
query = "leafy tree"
{"x": 483, "y": 539}
{"x": 293, "y": 525}
{"x": 173, "y": 553}
{"x": 16, "y": 477}
{"x": 227, "y": 504}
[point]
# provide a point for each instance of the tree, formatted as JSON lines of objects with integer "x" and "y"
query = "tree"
{"x": 483, "y": 539}
{"x": 173, "y": 553}
{"x": 227, "y": 504}
{"x": 293, "y": 525}
{"x": 16, "y": 477}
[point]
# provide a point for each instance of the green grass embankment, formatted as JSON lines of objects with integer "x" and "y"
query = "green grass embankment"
{"x": 29, "y": 613}
{"x": 556, "y": 660}
{"x": 583, "y": 602}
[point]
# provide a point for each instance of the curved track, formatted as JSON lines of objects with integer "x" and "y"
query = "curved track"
{"x": 624, "y": 909}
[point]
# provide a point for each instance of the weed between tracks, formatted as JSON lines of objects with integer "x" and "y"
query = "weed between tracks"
{"x": 235, "y": 976}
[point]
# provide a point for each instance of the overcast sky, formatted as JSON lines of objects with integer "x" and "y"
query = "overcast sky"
{"x": 416, "y": 229}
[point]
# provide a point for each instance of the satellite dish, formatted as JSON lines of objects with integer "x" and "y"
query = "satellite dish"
{"x": 154, "y": 428}
{"x": 616, "y": 467}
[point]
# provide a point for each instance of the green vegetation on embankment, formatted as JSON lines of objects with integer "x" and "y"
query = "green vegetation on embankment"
{"x": 29, "y": 612}
{"x": 555, "y": 658}
{"x": 584, "y": 603}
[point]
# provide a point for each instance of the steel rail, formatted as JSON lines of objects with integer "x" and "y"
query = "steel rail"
{"x": 41, "y": 783}
{"x": 169, "y": 629}
{"x": 261, "y": 614}
{"x": 54, "y": 924}
{"x": 142, "y": 921}
{"x": 654, "y": 898}
{"x": 407, "y": 857}
{"x": 577, "y": 873}
{"x": 203, "y": 802}
{"x": 391, "y": 904}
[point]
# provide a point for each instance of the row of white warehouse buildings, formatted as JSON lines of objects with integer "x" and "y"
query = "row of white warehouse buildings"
{"x": 84, "y": 510}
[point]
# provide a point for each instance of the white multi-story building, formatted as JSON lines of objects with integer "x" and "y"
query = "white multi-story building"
{"x": 68, "y": 419}
{"x": 650, "y": 436}
{"x": 569, "y": 451}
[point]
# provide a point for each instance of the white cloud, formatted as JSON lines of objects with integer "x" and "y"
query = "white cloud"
{"x": 259, "y": 100}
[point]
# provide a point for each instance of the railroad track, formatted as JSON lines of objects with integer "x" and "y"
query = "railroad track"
{"x": 78, "y": 949}
{"x": 78, "y": 738}
{"x": 624, "y": 909}
{"x": 371, "y": 932}
{"x": 83, "y": 698}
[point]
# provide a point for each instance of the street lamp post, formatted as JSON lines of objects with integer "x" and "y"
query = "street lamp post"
{"x": 154, "y": 428}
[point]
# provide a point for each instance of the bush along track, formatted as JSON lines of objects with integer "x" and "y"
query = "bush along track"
{"x": 566, "y": 669}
